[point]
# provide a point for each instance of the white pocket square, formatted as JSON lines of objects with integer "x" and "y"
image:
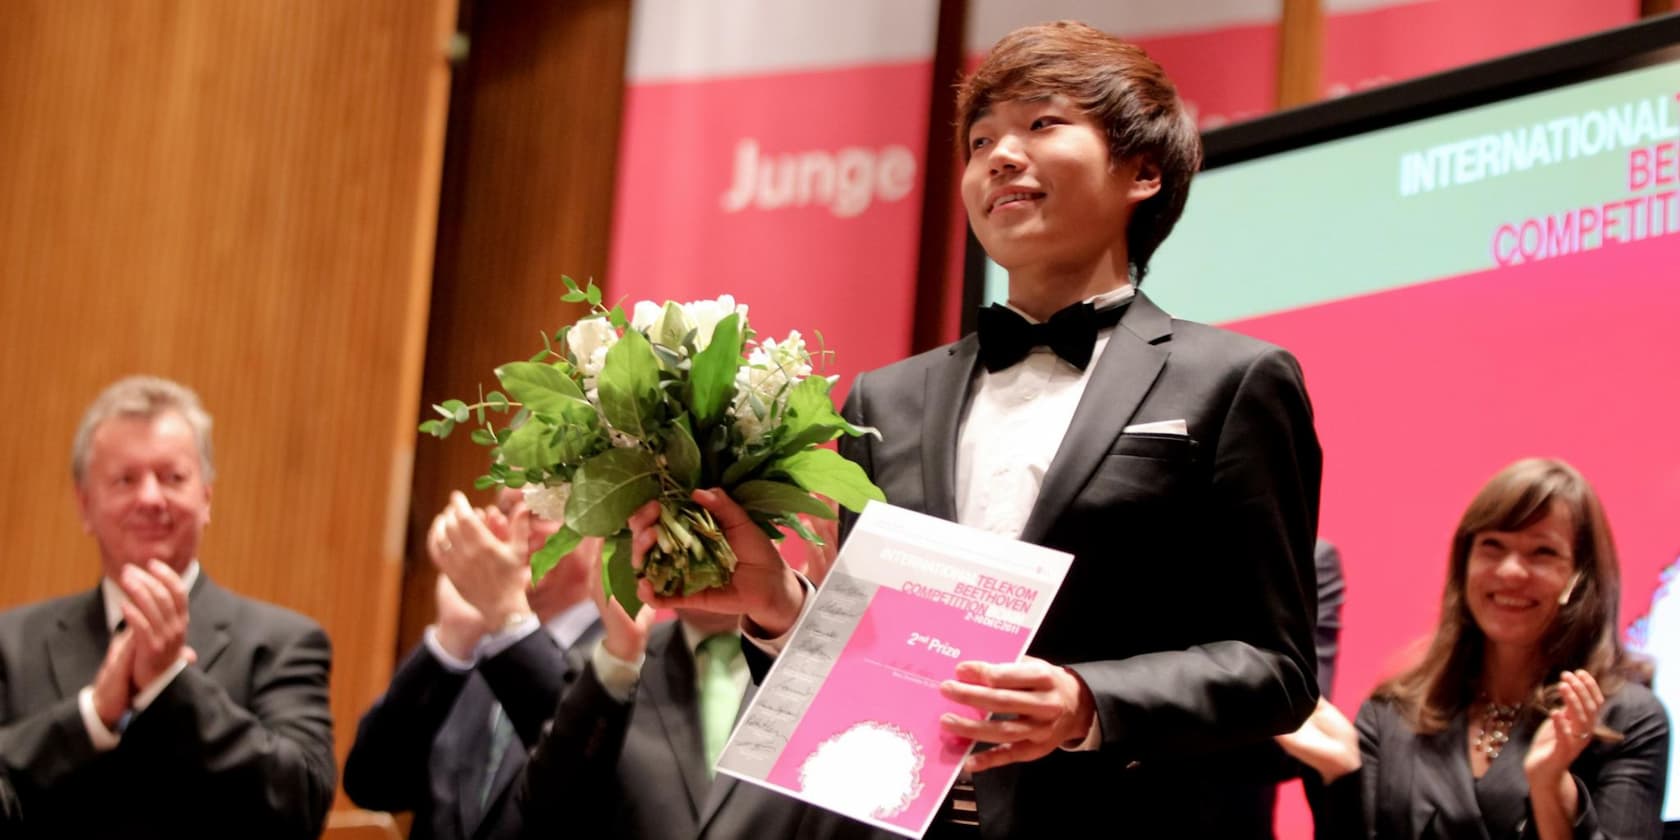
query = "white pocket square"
{"x": 1159, "y": 427}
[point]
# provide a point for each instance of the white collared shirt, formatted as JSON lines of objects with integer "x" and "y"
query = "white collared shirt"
{"x": 1013, "y": 426}
{"x": 566, "y": 627}
{"x": 113, "y": 598}
{"x": 619, "y": 677}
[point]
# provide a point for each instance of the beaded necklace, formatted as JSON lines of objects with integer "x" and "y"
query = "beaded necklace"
{"x": 1494, "y": 732}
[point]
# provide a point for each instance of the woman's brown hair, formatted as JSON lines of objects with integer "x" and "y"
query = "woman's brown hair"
{"x": 1583, "y": 634}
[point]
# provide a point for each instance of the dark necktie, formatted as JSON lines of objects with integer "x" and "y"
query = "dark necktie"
{"x": 1007, "y": 338}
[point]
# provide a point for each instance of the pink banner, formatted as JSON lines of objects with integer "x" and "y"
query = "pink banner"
{"x": 777, "y": 155}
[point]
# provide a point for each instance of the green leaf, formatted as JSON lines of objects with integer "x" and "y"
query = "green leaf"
{"x": 617, "y": 318}
{"x": 529, "y": 447}
{"x": 774, "y": 498}
{"x": 811, "y": 418}
{"x": 454, "y": 410}
{"x": 629, "y": 386}
{"x": 794, "y": 524}
{"x": 483, "y": 482}
{"x": 713, "y": 373}
{"x": 497, "y": 401}
{"x": 608, "y": 488}
{"x": 593, "y": 294}
{"x": 545, "y": 389}
{"x": 737, "y": 472}
{"x": 825, "y": 471}
{"x": 435, "y": 428}
{"x": 618, "y": 577}
{"x": 682, "y": 454}
{"x": 518, "y": 479}
{"x": 483, "y": 437}
{"x": 559, "y": 544}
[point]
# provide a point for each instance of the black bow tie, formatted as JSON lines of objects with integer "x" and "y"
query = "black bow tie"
{"x": 1007, "y": 338}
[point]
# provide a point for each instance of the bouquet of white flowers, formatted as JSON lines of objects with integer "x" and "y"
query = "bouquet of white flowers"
{"x": 618, "y": 411}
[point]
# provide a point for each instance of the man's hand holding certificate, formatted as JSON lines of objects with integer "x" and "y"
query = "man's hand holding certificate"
{"x": 888, "y": 679}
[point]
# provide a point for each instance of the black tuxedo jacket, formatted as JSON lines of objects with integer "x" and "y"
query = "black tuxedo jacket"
{"x": 424, "y": 746}
{"x": 1419, "y": 786}
{"x": 638, "y": 770}
{"x": 1188, "y": 610}
{"x": 239, "y": 744}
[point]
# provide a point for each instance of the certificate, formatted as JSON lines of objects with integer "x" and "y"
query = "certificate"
{"x": 848, "y": 717}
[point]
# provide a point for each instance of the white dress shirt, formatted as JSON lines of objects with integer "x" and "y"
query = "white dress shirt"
{"x": 1013, "y": 426}
{"x": 619, "y": 677}
{"x": 566, "y": 627}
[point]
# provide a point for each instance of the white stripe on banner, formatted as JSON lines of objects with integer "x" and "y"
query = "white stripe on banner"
{"x": 696, "y": 39}
{"x": 989, "y": 20}
{"x": 1337, "y": 7}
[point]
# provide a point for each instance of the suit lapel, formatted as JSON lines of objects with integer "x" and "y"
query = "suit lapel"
{"x": 1134, "y": 357}
{"x": 77, "y": 645}
{"x": 210, "y": 613}
{"x": 947, "y": 391}
{"x": 1443, "y": 791}
{"x": 668, "y": 677}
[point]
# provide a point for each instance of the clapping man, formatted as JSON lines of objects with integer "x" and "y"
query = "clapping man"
{"x": 450, "y": 735}
{"x": 159, "y": 704}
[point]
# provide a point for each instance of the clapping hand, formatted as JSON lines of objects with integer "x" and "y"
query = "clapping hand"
{"x": 623, "y": 635}
{"x": 156, "y": 612}
{"x": 1567, "y": 730}
{"x": 486, "y": 564}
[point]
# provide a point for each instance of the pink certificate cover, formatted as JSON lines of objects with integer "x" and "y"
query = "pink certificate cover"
{"x": 848, "y": 718}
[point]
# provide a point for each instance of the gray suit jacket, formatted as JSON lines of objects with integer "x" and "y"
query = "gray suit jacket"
{"x": 1419, "y": 786}
{"x": 637, "y": 770}
{"x": 1188, "y": 610}
{"x": 240, "y": 743}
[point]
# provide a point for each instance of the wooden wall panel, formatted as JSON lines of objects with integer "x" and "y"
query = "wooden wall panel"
{"x": 528, "y": 197}
{"x": 241, "y": 196}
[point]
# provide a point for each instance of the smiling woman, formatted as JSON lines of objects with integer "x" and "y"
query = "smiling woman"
{"x": 1525, "y": 708}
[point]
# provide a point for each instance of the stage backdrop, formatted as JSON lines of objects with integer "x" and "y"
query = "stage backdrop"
{"x": 1462, "y": 292}
{"x": 775, "y": 151}
{"x": 1374, "y": 42}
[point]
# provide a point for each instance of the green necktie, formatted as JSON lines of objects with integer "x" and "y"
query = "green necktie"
{"x": 719, "y": 696}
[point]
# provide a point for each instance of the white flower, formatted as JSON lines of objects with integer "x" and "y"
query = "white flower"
{"x": 645, "y": 314}
{"x": 589, "y": 340}
{"x": 705, "y": 315}
{"x": 771, "y": 370}
{"x": 548, "y": 500}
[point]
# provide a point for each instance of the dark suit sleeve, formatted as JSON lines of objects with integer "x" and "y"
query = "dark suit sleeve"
{"x": 1331, "y": 592}
{"x": 1255, "y": 679}
{"x": 11, "y": 814}
{"x": 575, "y": 762}
{"x": 859, "y": 450}
{"x": 388, "y": 765}
{"x": 1621, "y": 797}
{"x": 528, "y": 679}
{"x": 41, "y": 751}
{"x": 271, "y": 760}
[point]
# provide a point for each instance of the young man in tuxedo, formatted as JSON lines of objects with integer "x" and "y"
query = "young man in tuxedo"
{"x": 1177, "y": 462}
{"x": 448, "y": 738}
{"x": 159, "y": 704}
